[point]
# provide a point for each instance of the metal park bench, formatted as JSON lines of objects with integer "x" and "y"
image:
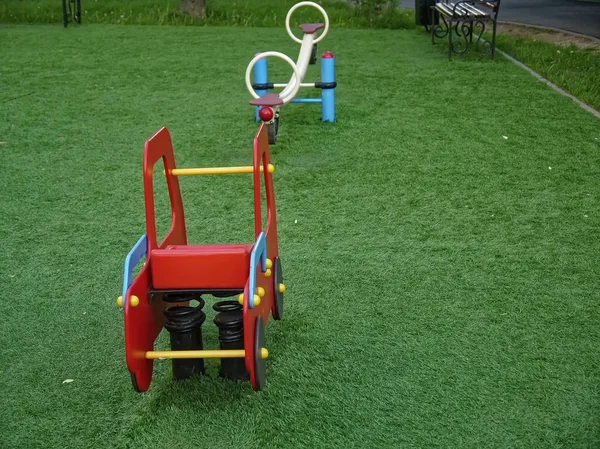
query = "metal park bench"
{"x": 465, "y": 17}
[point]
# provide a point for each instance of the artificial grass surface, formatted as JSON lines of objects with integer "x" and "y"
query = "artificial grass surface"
{"x": 574, "y": 69}
{"x": 442, "y": 286}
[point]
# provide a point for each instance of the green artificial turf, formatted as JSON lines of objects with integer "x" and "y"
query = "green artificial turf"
{"x": 439, "y": 244}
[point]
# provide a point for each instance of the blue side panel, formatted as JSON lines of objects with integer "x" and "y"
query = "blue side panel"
{"x": 258, "y": 250}
{"x": 133, "y": 258}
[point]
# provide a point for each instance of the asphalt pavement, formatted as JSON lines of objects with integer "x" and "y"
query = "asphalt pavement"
{"x": 572, "y": 15}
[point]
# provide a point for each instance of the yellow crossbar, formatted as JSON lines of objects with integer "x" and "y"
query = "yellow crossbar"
{"x": 218, "y": 170}
{"x": 206, "y": 354}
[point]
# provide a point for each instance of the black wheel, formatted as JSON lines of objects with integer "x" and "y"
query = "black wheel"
{"x": 273, "y": 129}
{"x": 134, "y": 382}
{"x": 272, "y": 132}
{"x": 278, "y": 295}
{"x": 313, "y": 55}
{"x": 260, "y": 364}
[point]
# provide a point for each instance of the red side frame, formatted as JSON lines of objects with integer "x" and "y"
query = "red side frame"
{"x": 267, "y": 304}
{"x": 144, "y": 322}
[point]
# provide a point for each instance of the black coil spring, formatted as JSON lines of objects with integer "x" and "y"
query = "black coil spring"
{"x": 230, "y": 323}
{"x": 184, "y": 323}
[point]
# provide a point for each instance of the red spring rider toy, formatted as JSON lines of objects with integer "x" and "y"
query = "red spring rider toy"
{"x": 175, "y": 272}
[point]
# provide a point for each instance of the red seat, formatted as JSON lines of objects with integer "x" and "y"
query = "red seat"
{"x": 200, "y": 266}
{"x": 270, "y": 100}
{"x": 310, "y": 28}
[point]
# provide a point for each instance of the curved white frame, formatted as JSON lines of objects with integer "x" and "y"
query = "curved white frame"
{"x": 285, "y": 96}
{"x": 314, "y": 5}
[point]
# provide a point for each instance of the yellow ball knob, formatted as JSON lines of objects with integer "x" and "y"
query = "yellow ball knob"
{"x": 120, "y": 301}
{"x": 134, "y": 301}
{"x": 260, "y": 291}
{"x": 281, "y": 288}
{"x": 256, "y": 300}
{"x": 270, "y": 168}
{"x": 269, "y": 263}
{"x": 241, "y": 299}
{"x": 264, "y": 353}
{"x": 268, "y": 272}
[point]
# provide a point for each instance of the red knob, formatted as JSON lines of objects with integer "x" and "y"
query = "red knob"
{"x": 327, "y": 55}
{"x": 266, "y": 114}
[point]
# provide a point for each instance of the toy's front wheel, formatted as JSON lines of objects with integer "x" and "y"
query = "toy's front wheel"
{"x": 134, "y": 382}
{"x": 273, "y": 129}
{"x": 278, "y": 289}
{"x": 313, "y": 55}
{"x": 260, "y": 364}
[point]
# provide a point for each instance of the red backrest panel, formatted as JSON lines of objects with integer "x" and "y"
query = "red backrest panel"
{"x": 159, "y": 147}
{"x": 262, "y": 157}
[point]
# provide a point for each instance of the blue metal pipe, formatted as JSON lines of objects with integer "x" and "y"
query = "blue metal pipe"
{"x": 328, "y": 95}
{"x": 306, "y": 100}
{"x": 260, "y": 76}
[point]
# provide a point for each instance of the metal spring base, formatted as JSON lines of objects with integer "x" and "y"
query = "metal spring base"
{"x": 230, "y": 322}
{"x": 184, "y": 323}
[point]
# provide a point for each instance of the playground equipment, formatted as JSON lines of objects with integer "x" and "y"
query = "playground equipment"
{"x": 268, "y": 104}
{"x": 71, "y": 11}
{"x": 175, "y": 273}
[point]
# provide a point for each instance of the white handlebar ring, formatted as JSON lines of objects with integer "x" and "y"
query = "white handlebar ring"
{"x": 287, "y": 59}
{"x": 314, "y": 5}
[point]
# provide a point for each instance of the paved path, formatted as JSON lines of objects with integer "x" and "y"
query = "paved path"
{"x": 571, "y": 15}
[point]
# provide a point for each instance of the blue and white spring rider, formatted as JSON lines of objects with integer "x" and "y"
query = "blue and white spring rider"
{"x": 268, "y": 104}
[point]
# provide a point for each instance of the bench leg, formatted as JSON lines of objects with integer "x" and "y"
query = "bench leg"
{"x": 432, "y": 25}
{"x": 494, "y": 41}
{"x": 450, "y": 40}
{"x": 65, "y": 17}
{"x": 78, "y": 13}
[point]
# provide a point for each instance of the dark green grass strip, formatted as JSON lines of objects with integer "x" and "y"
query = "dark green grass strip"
{"x": 574, "y": 69}
{"x": 442, "y": 280}
{"x": 219, "y": 12}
